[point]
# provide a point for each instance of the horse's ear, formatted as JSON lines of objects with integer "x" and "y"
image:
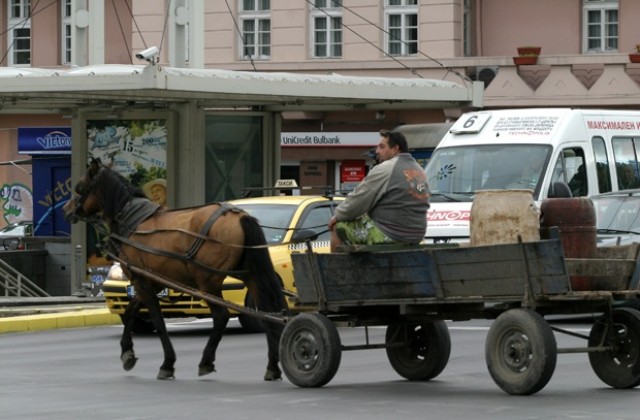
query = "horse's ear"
{"x": 94, "y": 164}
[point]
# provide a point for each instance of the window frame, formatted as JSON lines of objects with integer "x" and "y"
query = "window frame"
{"x": 331, "y": 14}
{"x": 602, "y": 162}
{"x": 16, "y": 23}
{"x": 65, "y": 32}
{"x": 602, "y": 6}
{"x": 404, "y": 9}
{"x": 258, "y": 12}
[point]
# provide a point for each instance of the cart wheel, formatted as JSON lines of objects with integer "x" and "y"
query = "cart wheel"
{"x": 250, "y": 324}
{"x": 418, "y": 352}
{"x": 310, "y": 350}
{"x": 521, "y": 352}
{"x": 620, "y": 366}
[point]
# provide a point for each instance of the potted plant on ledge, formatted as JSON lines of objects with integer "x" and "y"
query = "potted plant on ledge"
{"x": 527, "y": 56}
{"x": 635, "y": 57}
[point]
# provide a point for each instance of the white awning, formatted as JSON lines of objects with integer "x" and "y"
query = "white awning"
{"x": 94, "y": 87}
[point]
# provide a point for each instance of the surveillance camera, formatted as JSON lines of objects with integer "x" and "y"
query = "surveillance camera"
{"x": 148, "y": 55}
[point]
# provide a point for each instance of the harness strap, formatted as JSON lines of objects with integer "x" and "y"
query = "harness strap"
{"x": 169, "y": 254}
{"x": 197, "y": 243}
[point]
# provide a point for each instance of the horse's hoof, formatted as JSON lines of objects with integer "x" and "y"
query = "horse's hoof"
{"x": 128, "y": 359}
{"x": 166, "y": 374}
{"x": 272, "y": 375}
{"x": 205, "y": 370}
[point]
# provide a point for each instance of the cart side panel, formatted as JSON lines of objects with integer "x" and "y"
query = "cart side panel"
{"x": 365, "y": 275}
{"x": 501, "y": 270}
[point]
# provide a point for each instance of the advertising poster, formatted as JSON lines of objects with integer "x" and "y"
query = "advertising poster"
{"x": 137, "y": 149}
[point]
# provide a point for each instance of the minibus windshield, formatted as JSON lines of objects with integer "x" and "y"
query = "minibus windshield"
{"x": 456, "y": 173}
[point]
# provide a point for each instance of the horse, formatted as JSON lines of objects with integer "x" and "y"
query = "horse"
{"x": 196, "y": 247}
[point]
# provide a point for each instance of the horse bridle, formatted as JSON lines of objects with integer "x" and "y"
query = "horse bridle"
{"x": 82, "y": 191}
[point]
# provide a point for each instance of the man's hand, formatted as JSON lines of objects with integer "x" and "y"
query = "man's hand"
{"x": 332, "y": 223}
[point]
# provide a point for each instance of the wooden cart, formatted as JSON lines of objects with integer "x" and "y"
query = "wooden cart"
{"x": 413, "y": 291}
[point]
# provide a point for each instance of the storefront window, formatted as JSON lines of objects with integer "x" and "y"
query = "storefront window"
{"x": 234, "y": 155}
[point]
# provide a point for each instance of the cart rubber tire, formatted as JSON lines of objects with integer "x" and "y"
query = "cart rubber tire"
{"x": 249, "y": 323}
{"x": 425, "y": 349}
{"x": 310, "y": 350}
{"x": 521, "y": 351}
{"x": 619, "y": 367}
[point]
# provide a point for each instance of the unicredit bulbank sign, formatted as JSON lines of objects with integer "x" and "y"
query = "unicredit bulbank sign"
{"x": 334, "y": 139}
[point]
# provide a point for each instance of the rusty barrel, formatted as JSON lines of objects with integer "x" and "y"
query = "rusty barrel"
{"x": 575, "y": 219}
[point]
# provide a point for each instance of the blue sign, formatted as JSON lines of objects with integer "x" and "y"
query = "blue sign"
{"x": 44, "y": 141}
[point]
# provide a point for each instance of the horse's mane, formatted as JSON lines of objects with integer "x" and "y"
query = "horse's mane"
{"x": 114, "y": 192}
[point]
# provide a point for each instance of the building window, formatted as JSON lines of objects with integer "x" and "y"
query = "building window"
{"x": 66, "y": 32}
{"x": 600, "y": 23}
{"x": 401, "y": 27}
{"x": 256, "y": 29}
{"x": 326, "y": 17}
{"x": 19, "y": 31}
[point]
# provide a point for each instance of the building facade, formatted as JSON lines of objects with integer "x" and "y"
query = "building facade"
{"x": 584, "y": 58}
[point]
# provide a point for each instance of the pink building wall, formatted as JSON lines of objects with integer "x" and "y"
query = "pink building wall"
{"x": 117, "y": 31}
{"x": 506, "y": 24}
{"x": 45, "y": 53}
{"x": 628, "y": 15}
{"x": 46, "y": 28}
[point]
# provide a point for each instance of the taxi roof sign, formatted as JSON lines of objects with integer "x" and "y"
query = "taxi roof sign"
{"x": 286, "y": 183}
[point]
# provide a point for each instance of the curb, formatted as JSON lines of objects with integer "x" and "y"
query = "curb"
{"x": 77, "y": 319}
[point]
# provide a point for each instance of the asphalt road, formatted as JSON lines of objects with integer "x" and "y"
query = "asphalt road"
{"x": 76, "y": 374}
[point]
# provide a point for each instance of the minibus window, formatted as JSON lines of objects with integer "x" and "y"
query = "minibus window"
{"x": 602, "y": 164}
{"x": 570, "y": 169}
{"x": 626, "y": 158}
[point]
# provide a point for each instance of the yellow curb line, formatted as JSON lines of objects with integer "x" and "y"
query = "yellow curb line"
{"x": 84, "y": 318}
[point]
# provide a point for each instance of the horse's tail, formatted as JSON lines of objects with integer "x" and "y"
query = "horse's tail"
{"x": 256, "y": 258}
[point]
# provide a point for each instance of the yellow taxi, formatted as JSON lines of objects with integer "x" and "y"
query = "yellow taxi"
{"x": 283, "y": 218}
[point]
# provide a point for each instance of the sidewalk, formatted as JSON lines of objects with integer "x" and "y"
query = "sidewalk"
{"x": 20, "y": 314}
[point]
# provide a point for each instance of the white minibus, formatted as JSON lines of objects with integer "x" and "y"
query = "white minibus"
{"x": 591, "y": 151}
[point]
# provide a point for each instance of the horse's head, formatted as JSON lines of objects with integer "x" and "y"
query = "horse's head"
{"x": 84, "y": 203}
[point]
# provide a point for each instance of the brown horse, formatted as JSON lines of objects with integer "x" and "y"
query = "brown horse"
{"x": 196, "y": 247}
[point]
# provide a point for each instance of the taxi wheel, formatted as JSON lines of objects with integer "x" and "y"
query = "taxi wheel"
{"x": 250, "y": 323}
{"x": 141, "y": 325}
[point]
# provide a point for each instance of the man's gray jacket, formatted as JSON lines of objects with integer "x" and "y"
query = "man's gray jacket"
{"x": 395, "y": 194}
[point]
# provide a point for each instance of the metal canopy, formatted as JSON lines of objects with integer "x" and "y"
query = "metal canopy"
{"x": 97, "y": 87}
{"x": 424, "y": 136}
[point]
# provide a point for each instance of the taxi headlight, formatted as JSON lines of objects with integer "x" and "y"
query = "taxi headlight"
{"x": 116, "y": 273}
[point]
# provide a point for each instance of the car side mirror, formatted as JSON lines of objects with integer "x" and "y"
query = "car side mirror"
{"x": 304, "y": 235}
{"x": 559, "y": 190}
{"x": 11, "y": 243}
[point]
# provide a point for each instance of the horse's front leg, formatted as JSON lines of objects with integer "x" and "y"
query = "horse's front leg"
{"x": 167, "y": 370}
{"x": 220, "y": 317}
{"x": 127, "y": 356}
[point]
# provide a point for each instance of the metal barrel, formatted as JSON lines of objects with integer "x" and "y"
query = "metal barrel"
{"x": 575, "y": 219}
